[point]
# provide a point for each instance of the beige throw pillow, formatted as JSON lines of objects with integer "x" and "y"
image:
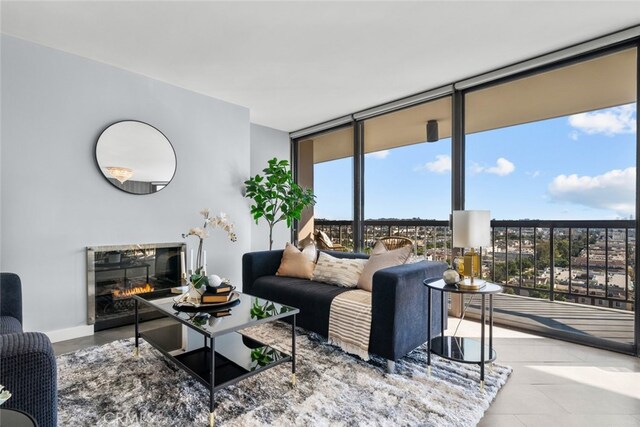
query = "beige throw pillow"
{"x": 338, "y": 271}
{"x": 296, "y": 263}
{"x": 378, "y": 248}
{"x": 379, "y": 260}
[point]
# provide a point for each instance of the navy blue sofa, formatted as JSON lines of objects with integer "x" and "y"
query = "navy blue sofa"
{"x": 399, "y": 300}
{"x": 27, "y": 361}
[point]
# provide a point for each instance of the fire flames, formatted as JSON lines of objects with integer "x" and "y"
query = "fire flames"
{"x": 125, "y": 293}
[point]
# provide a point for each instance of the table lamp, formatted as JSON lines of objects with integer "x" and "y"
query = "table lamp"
{"x": 471, "y": 229}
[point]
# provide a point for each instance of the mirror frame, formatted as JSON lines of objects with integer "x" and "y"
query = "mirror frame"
{"x": 95, "y": 156}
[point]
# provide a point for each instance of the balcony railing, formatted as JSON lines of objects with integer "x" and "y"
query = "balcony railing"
{"x": 586, "y": 262}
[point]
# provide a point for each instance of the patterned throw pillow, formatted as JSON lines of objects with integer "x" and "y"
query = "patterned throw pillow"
{"x": 338, "y": 271}
{"x": 296, "y": 263}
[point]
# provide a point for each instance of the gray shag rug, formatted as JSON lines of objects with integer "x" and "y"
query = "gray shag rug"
{"x": 107, "y": 386}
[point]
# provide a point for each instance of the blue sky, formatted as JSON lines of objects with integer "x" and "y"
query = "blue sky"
{"x": 574, "y": 167}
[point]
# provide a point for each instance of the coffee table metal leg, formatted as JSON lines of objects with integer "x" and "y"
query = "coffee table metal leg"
{"x": 136, "y": 351}
{"x": 293, "y": 351}
{"x": 212, "y": 402}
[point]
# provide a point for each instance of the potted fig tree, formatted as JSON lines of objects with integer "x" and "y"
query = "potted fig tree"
{"x": 276, "y": 196}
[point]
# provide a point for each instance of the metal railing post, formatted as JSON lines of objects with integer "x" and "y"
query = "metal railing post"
{"x": 552, "y": 262}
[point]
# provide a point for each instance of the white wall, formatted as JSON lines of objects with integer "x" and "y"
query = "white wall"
{"x": 54, "y": 200}
{"x": 267, "y": 143}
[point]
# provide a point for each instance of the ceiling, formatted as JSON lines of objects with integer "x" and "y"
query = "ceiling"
{"x": 606, "y": 81}
{"x": 295, "y": 64}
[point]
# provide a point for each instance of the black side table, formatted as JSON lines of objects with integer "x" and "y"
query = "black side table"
{"x": 459, "y": 349}
{"x": 16, "y": 418}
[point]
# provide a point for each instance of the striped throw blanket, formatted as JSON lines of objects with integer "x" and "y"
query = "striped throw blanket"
{"x": 350, "y": 322}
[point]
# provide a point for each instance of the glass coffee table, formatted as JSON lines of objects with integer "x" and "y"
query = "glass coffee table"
{"x": 226, "y": 355}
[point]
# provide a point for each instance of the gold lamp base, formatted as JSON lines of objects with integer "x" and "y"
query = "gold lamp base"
{"x": 471, "y": 285}
{"x": 470, "y": 268}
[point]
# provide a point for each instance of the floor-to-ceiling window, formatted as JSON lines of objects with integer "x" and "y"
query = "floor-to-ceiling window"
{"x": 407, "y": 176}
{"x": 553, "y": 156}
{"x": 550, "y": 152}
{"x": 325, "y": 164}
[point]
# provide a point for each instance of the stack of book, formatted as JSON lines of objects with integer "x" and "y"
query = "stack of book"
{"x": 218, "y": 294}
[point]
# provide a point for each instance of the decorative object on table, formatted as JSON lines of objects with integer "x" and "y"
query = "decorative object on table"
{"x": 214, "y": 281}
{"x": 449, "y": 397}
{"x": 213, "y": 295}
{"x": 4, "y": 394}
{"x": 217, "y": 290}
{"x": 471, "y": 229}
{"x": 186, "y": 304}
{"x": 451, "y": 276}
{"x": 198, "y": 274}
{"x": 276, "y": 196}
{"x": 218, "y": 285}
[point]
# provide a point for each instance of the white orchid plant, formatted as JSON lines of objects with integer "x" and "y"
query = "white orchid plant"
{"x": 4, "y": 394}
{"x": 198, "y": 277}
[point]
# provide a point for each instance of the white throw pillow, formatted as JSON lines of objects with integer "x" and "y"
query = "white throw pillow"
{"x": 342, "y": 272}
{"x": 310, "y": 252}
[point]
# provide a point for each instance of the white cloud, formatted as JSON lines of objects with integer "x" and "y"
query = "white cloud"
{"x": 503, "y": 167}
{"x": 442, "y": 164}
{"x": 613, "y": 190}
{"x": 610, "y": 122}
{"x": 382, "y": 154}
{"x": 574, "y": 135}
{"x": 533, "y": 174}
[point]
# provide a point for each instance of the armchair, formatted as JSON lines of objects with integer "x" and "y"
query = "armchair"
{"x": 27, "y": 361}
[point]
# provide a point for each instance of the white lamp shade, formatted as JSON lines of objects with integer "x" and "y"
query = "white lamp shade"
{"x": 471, "y": 229}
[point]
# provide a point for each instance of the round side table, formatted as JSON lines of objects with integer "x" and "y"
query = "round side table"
{"x": 459, "y": 349}
{"x": 16, "y": 418}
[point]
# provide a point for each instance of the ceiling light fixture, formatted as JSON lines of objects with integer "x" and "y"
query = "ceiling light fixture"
{"x": 120, "y": 173}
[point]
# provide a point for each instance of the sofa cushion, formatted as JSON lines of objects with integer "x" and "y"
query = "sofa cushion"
{"x": 338, "y": 271}
{"x": 379, "y": 260}
{"x": 9, "y": 325}
{"x": 297, "y": 263}
{"x": 312, "y": 298}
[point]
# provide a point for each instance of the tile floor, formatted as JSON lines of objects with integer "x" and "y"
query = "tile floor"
{"x": 554, "y": 383}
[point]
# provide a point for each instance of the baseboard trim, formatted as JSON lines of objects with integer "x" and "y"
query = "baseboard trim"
{"x": 70, "y": 333}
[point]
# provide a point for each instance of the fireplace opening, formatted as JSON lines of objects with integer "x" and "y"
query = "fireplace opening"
{"x": 116, "y": 273}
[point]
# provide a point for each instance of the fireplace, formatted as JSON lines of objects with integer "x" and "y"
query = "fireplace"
{"x": 116, "y": 273}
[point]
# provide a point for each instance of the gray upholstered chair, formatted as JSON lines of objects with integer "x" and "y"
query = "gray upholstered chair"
{"x": 27, "y": 361}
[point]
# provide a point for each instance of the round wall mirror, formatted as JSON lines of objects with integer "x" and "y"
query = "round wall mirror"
{"x": 135, "y": 157}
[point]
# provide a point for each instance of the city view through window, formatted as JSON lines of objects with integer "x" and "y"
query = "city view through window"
{"x": 576, "y": 167}
{"x": 552, "y": 156}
